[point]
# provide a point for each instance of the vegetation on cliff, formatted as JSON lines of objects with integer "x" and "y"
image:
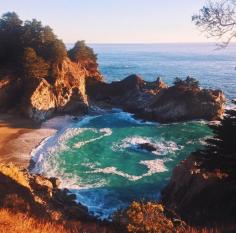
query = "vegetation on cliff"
{"x": 38, "y": 77}
{"x": 202, "y": 189}
{"x": 34, "y": 48}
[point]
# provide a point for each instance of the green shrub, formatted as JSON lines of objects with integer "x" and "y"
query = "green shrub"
{"x": 188, "y": 82}
{"x": 33, "y": 65}
{"x": 81, "y": 52}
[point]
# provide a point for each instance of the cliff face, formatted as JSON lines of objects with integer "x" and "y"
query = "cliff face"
{"x": 204, "y": 195}
{"x": 202, "y": 189}
{"x": 75, "y": 84}
{"x": 155, "y": 101}
{"x": 37, "y": 195}
{"x": 40, "y": 99}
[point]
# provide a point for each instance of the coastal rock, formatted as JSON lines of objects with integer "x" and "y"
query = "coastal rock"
{"x": 40, "y": 99}
{"x": 37, "y": 195}
{"x": 203, "y": 195}
{"x": 157, "y": 102}
{"x": 147, "y": 146}
{"x": 9, "y": 86}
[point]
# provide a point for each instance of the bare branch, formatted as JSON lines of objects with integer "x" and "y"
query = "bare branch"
{"x": 218, "y": 20}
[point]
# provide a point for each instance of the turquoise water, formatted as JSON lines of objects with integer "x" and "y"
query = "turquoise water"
{"x": 99, "y": 158}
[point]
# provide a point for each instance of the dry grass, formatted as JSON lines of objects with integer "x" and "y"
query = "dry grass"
{"x": 19, "y": 223}
{"x": 11, "y": 222}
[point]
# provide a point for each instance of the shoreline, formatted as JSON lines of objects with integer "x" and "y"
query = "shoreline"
{"x": 19, "y": 137}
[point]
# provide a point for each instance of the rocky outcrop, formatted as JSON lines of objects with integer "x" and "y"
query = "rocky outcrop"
{"x": 37, "y": 195}
{"x": 204, "y": 195}
{"x": 9, "y": 88}
{"x": 40, "y": 99}
{"x": 155, "y": 101}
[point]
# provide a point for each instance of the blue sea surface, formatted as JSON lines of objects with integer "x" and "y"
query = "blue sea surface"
{"x": 214, "y": 68}
{"x": 99, "y": 157}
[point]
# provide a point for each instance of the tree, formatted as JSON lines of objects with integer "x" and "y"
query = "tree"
{"x": 81, "y": 52}
{"x": 189, "y": 82}
{"x": 55, "y": 51}
{"x": 33, "y": 65}
{"x": 218, "y": 20}
{"x": 10, "y": 30}
{"x": 43, "y": 41}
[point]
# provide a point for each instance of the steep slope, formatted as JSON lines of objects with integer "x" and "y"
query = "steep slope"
{"x": 202, "y": 189}
{"x": 39, "y": 99}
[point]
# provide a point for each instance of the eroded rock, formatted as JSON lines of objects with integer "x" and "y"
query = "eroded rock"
{"x": 157, "y": 102}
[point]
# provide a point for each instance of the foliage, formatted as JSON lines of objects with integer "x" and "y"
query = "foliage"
{"x": 220, "y": 152}
{"x": 81, "y": 52}
{"x": 188, "y": 82}
{"x": 10, "y": 31}
{"x": 33, "y": 65}
{"x": 29, "y": 46}
{"x": 218, "y": 20}
{"x": 225, "y": 134}
{"x": 149, "y": 218}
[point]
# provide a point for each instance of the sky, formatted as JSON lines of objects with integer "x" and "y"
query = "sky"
{"x": 114, "y": 21}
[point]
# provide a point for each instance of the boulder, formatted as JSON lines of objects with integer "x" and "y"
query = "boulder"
{"x": 146, "y": 146}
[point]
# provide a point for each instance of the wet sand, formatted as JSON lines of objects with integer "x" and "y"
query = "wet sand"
{"x": 18, "y": 137}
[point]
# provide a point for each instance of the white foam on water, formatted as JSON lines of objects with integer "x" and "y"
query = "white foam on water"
{"x": 86, "y": 120}
{"x": 51, "y": 146}
{"x": 114, "y": 171}
{"x": 153, "y": 166}
{"x": 161, "y": 146}
{"x": 96, "y": 201}
{"x": 105, "y": 133}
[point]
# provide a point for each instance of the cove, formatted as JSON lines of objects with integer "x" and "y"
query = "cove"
{"x": 99, "y": 158}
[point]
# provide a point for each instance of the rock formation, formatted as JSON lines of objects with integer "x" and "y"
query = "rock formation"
{"x": 202, "y": 189}
{"x": 201, "y": 196}
{"x": 37, "y": 195}
{"x": 155, "y": 101}
{"x": 40, "y": 99}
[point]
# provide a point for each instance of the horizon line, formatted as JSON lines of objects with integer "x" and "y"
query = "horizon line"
{"x": 145, "y": 43}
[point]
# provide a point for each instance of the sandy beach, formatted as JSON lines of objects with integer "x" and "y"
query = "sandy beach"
{"x": 18, "y": 137}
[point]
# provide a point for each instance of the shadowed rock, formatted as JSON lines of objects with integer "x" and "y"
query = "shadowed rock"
{"x": 157, "y": 102}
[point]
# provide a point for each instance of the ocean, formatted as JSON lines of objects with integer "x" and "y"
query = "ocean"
{"x": 98, "y": 157}
{"x": 213, "y": 68}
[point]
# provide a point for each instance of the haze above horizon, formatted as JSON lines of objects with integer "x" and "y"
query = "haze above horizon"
{"x": 123, "y": 21}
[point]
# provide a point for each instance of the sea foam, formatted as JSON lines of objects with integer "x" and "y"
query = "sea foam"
{"x": 105, "y": 132}
{"x": 153, "y": 166}
{"x": 161, "y": 146}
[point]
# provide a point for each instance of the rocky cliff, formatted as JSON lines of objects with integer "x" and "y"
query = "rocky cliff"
{"x": 202, "y": 189}
{"x": 203, "y": 196}
{"x": 37, "y": 195}
{"x": 39, "y": 205}
{"x": 155, "y": 101}
{"x": 39, "y": 99}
